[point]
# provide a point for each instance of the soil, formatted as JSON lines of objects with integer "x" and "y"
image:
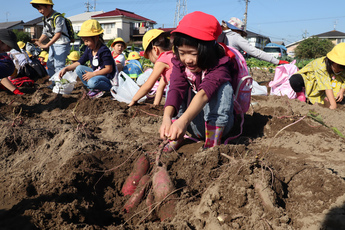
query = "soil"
{"x": 65, "y": 158}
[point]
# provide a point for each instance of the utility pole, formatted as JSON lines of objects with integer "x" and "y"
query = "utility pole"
{"x": 181, "y": 11}
{"x": 305, "y": 34}
{"x": 245, "y": 16}
{"x": 94, "y": 5}
{"x": 88, "y": 6}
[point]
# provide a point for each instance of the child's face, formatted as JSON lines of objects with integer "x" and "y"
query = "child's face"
{"x": 89, "y": 42}
{"x": 4, "y": 48}
{"x": 118, "y": 48}
{"x": 189, "y": 57}
{"x": 337, "y": 69}
{"x": 45, "y": 10}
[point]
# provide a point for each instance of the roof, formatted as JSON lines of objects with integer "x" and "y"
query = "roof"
{"x": 166, "y": 29}
{"x": 84, "y": 16}
{"x": 8, "y": 25}
{"x": 331, "y": 34}
{"x": 34, "y": 21}
{"x": 252, "y": 34}
{"x": 123, "y": 13}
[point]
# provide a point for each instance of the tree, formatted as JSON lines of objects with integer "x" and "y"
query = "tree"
{"x": 22, "y": 36}
{"x": 313, "y": 47}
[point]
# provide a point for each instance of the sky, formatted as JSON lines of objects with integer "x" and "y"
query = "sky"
{"x": 280, "y": 20}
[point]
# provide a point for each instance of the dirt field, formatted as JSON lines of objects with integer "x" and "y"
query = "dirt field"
{"x": 64, "y": 159}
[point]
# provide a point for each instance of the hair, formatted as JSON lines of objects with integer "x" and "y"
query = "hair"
{"x": 329, "y": 69}
{"x": 35, "y": 5}
{"x": 162, "y": 41}
{"x": 209, "y": 52}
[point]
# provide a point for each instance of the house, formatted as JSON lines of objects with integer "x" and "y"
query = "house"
{"x": 257, "y": 40}
{"x": 78, "y": 19}
{"x": 334, "y": 36}
{"x": 17, "y": 25}
{"x": 125, "y": 24}
{"x": 34, "y": 27}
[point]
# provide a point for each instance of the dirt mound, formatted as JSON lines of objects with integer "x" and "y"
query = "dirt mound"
{"x": 65, "y": 158}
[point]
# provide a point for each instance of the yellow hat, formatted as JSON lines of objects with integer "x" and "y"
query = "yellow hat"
{"x": 73, "y": 56}
{"x": 116, "y": 40}
{"x": 29, "y": 54}
{"x": 21, "y": 44}
{"x": 90, "y": 28}
{"x": 149, "y": 36}
{"x": 337, "y": 54}
{"x": 44, "y": 2}
{"x": 46, "y": 58}
{"x": 133, "y": 56}
{"x": 43, "y": 53}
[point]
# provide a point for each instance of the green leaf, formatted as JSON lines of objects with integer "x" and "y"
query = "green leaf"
{"x": 336, "y": 131}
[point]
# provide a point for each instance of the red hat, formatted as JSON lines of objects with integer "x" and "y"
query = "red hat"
{"x": 200, "y": 26}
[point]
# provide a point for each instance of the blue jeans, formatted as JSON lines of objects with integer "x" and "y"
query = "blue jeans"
{"x": 217, "y": 112}
{"x": 57, "y": 58}
{"x": 100, "y": 82}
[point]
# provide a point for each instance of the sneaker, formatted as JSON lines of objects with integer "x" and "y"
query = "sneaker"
{"x": 95, "y": 93}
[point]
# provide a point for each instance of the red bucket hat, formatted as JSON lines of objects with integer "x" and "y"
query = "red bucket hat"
{"x": 199, "y": 25}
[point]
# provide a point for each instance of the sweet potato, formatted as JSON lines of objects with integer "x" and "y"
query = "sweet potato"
{"x": 139, "y": 170}
{"x": 149, "y": 200}
{"x": 136, "y": 197}
{"x": 162, "y": 187}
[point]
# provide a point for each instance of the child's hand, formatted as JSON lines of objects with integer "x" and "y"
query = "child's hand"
{"x": 62, "y": 72}
{"x": 87, "y": 76}
{"x": 333, "y": 106}
{"x": 132, "y": 103}
{"x": 176, "y": 130}
{"x": 340, "y": 96}
{"x": 164, "y": 129}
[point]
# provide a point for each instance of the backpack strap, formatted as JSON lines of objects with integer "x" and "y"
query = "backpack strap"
{"x": 53, "y": 19}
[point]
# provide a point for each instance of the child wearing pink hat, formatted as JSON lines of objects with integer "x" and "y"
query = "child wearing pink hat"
{"x": 200, "y": 96}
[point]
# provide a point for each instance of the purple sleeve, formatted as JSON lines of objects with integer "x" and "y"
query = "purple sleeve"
{"x": 178, "y": 86}
{"x": 216, "y": 77}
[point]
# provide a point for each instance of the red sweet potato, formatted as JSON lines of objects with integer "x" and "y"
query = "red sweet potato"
{"x": 162, "y": 187}
{"x": 139, "y": 170}
{"x": 149, "y": 200}
{"x": 136, "y": 197}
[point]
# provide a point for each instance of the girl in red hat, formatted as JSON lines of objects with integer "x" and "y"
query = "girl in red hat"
{"x": 200, "y": 96}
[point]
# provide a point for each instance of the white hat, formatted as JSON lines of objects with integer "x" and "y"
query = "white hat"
{"x": 236, "y": 22}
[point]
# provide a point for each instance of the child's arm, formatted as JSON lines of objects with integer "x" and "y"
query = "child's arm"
{"x": 107, "y": 69}
{"x": 147, "y": 86}
{"x": 160, "y": 91}
{"x": 340, "y": 95}
{"x": 179, "y": 127}
{"x": 68, "y": 68}
{"x": 51, "y": 42}
{"x": 331, "y": 99}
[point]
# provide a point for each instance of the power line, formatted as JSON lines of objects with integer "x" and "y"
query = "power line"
{"x": 297, "y": 20}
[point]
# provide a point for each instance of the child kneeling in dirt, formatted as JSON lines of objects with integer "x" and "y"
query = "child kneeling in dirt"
{"x": 200, "y": 94}
{"x": 8, "y": 41}
{"x": 322, "y": 80}
{"x": 157, "y": 48}
{"x": 98, "y": 78}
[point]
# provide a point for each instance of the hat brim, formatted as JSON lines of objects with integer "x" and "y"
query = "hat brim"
{"x": 232, "y": 27}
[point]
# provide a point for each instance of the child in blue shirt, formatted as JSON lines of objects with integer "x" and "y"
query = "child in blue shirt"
{"x": 102, "y": 75}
